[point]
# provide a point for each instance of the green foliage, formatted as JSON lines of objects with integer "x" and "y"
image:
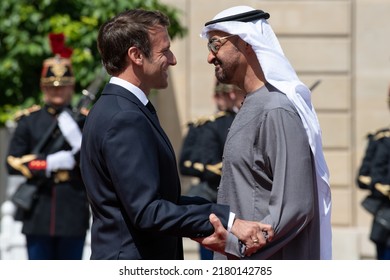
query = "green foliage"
{"x": 24, "y": 29}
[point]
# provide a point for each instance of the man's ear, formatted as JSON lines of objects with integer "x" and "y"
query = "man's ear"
{"x": 135, "y": 56}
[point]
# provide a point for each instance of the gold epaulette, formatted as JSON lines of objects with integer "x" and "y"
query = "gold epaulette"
{"x": 381, "y": 134}
{"x": 202, "y": 120}
{"x": 26, "y": 112}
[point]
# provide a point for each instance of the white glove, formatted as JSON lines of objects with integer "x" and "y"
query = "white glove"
{"x": 70, "y": 130}
{"x": 62, "y": 160}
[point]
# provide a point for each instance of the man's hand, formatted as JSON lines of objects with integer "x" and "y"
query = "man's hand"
{"x": 254, "y": 235}
{"x": 217, "y": 241}
{"x": 62, "y": 160}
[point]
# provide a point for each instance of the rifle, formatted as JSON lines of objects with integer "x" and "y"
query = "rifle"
{"x": 89, "y": 94}
{"x": 313, "y": 86}
{"x": 88, "y": 97}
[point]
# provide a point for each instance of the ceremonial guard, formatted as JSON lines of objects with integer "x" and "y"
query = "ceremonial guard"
{"x": 202, "y": 150}
{"x": 374, "y": 176}
{"x": 45, "y": 150}
{"x": 215, "y": 132}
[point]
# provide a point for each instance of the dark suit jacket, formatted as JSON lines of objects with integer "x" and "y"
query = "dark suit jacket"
{"x": 130, "y": 172}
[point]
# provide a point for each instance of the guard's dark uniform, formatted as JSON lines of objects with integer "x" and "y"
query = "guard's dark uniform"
{"x": 201, "y": 154}
{"x": 190, "y": 162}
{"x": 374, "y": 175}
{"x": 61, "y": 207}
{"x": 213, "y": 141}
{"x": 201, "y": 157}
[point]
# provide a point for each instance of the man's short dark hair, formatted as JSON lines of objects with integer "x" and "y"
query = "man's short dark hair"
{"x": 125, "y": 30}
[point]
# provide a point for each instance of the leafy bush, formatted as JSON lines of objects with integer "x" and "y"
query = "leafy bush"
{"x": 24, "y": 29}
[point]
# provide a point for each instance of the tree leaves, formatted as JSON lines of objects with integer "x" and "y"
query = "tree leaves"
{"x": 24, "y": 29}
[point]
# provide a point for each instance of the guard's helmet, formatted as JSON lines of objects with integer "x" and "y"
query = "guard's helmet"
{"x": 57, "y": 70}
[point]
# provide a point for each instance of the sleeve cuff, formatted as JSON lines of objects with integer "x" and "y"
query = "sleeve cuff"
{"x": 232, "y": 216}
{"x": 234, "y": 246}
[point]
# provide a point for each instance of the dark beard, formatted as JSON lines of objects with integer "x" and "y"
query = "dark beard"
{"x": 225, "y": 73}
{"x": 222, "y": 76}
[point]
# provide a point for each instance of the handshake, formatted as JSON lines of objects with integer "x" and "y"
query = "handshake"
{"x": 251, "y": 236}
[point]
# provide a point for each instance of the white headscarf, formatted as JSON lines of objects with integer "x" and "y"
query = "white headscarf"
{"x": 279, "y": 73}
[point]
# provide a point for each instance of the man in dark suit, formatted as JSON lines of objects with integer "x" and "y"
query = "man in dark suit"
{"x": 127, "y": 162}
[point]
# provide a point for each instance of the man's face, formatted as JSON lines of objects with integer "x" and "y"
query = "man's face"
{"x": 58, "y": 96}
{"x": 156, "y": 66}
{"x": 221, "y": 100}
{"x": 227, "y": 58}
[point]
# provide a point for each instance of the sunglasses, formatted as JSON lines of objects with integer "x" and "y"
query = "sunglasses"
{"x": 215, "y": 44}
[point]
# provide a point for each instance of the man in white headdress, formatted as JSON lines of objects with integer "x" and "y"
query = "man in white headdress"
{"x": 274, "y": 169}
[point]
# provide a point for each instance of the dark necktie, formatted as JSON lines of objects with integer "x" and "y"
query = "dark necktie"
{"x": 150, "y": 106}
